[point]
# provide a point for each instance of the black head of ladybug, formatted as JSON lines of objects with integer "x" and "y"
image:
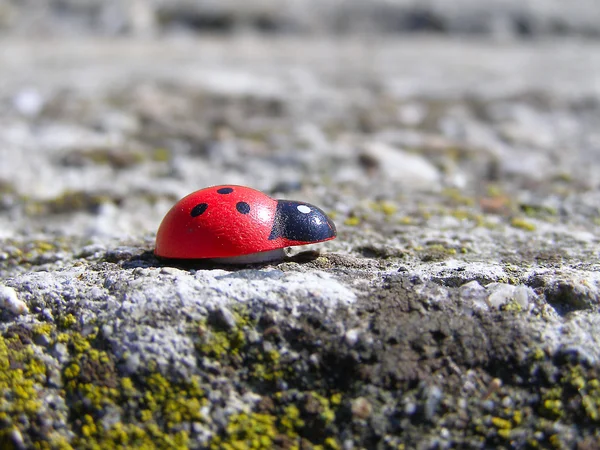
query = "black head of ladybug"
{"x": 301, "y": 222}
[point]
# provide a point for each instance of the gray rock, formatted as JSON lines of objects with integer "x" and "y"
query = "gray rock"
{"x": 463, "y": 282}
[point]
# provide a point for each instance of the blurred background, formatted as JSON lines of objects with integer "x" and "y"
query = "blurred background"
{"x": 497, "y": 18}
{"x": 111, "y": 110}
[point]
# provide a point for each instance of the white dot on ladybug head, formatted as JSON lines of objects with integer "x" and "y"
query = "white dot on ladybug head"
{"x": 303, "y": 209}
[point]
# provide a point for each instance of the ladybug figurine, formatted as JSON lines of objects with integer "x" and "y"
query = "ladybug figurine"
{"x": 237, "y": 224}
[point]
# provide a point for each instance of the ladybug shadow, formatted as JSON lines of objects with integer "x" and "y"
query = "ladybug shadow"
{"x": 148, "y": 259}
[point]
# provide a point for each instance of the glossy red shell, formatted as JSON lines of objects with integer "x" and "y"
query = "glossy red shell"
{"x": 219, "y": 222}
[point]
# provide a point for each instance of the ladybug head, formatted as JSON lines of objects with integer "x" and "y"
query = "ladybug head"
{"x": 301, "y": 223}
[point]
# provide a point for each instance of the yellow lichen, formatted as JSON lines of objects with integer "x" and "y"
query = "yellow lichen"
{"x": 352, "y": 221}
{"x": 523, "y": 224}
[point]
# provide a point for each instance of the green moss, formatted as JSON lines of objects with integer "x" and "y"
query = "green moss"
{"x": 247, "y": 431}
{"x": 523, "y": 224}
{"x": 501, "y": 423}
{"x": 159, "y": 407}
{"x": 69, "y": 202}
{"x": 587, "y": 390}
{"x": 552, "y": 405}
{"x": 517, "y": 417}
{"x": 458, "y": 198}
{"x": 122, "y": 436}
{"x": 590, "y": 405}
{"x": 127, "y": 386}
{"x": 436, "y": 252}
{"x": 219, "y": 343}
{"x": 263, "y": 430}
{"x": 267, "y": 366}
{"x": 575, "y": 388}
{"x": 331, "y": 443}
{"x": 352, "y": 221}
{"x": 504, "y": 433}
{"x": 174, "y": 403}
{"x": 512, "y": 306}
{"x": 291, "y": 421}
{"x": 555, "y": 441}
{"x": 327, "y": 413}
{"x": 161, "y": 155}
{"x": 43, "y": 329}
{"x": 116, "y": 158}
{"x": 575, "y": 378}
{"x": 55, "y": 442}
{"x": 461, "y": 214}
{"x": 89, "y": 397}
{"x": 67, "y": 321}
{"x": 493, "y": 190}
{"x": 31, "y": 252}
{"x": 4, "y": 361}
{"x": 336, "y": 399}
{"x": 386, "y": 207}
{"x": 72, "y": 371}
{"x": 20, "y": 377}
{"x": 35, "y": 369}
{"x": 538, "y": 211}
{"x": 153, "y": 408}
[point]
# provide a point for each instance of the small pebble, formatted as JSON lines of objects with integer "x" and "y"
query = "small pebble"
{"x": 47, "y": 313}
{"x": 42, "y": 340}
{"x": 507, "y": 402}
{"x": 28, "y": 102}
{"x": 433, "y": 398}
{"x": 10, "y": 301}
{"x": 223, "y": 318}
{"x": 474, "y": 293}
{"x": 60, "y": 352}
{"x": 410, "y": 408}
{"x": 314, "y": 360}
{"x": 361, "y": 408}
{"x": 488, "y": 405}
{"x": 17, "y": 439}
{"x": 132, "y": 363}
{"x": 252, "y": 336}
{"x": 351, "y": 337}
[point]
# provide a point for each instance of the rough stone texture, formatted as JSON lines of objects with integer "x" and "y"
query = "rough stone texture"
{"x": 457, "y": 308}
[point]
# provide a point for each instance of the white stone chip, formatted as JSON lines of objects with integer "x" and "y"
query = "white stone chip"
{"x": 409, "y": 170}
{"x": 10, "y": 301}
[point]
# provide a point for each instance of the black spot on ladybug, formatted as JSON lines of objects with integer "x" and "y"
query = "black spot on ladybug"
{"x": 198, "y": 209}
{"x": 300, "y": 222}
{"x": 225, "y": 191}
{"x": 243, "y": 207}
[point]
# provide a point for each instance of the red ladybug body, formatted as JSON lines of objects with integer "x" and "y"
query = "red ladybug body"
{"x": 229, "y": 221}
